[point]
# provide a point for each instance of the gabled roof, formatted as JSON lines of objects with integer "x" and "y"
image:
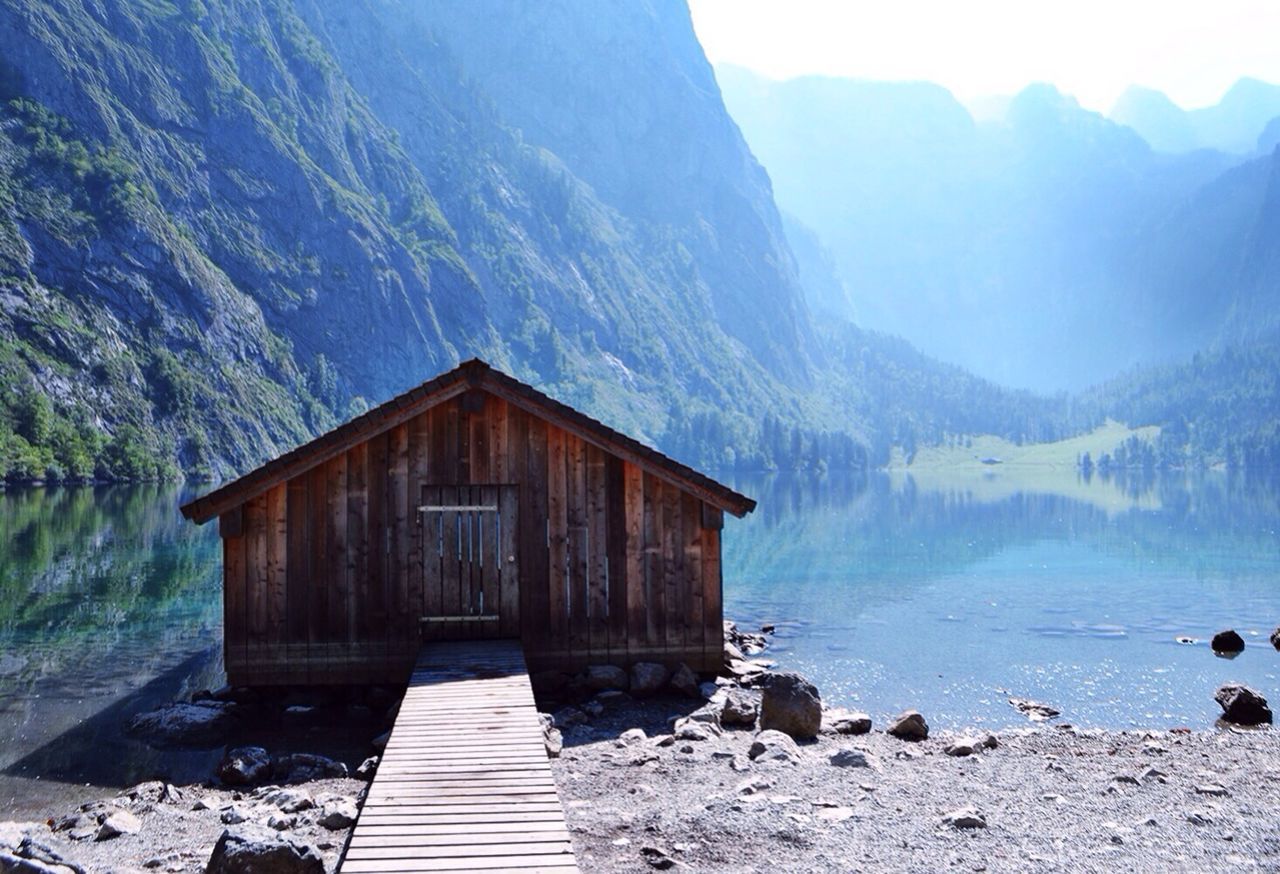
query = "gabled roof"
{"x": 473, "y": 374}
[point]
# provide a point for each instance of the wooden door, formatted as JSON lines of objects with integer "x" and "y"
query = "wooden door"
{"x": 471, "y": 580}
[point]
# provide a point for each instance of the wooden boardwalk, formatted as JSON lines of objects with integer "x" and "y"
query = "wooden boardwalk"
{"x": 464, "y": 784}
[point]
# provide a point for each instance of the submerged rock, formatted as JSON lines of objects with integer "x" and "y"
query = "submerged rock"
{"x": 203, "y": 723}
{"x": 1242, "y": 705}
{"x": 1275, "y": 638}
{"x": 791, "y": 704}
{"x": 1227, "y": 642}
{"x": 1036, "y": 711}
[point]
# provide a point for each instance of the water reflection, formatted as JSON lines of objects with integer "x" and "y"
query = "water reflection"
{"x": 900, "y": 591}
{"x": 109, "y": 603}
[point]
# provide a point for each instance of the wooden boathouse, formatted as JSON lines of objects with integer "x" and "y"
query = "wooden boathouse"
{"x": 471, "y": 507}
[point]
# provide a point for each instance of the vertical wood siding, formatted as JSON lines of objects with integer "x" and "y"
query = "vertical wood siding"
{"x": 326, "y": 582}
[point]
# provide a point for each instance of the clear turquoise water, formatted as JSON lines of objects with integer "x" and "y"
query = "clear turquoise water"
{"x": 887, "y": 595}
{"x": 890, "y": 596}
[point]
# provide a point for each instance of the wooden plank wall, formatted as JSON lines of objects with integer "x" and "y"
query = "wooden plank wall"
{"x": 324, "y": 573}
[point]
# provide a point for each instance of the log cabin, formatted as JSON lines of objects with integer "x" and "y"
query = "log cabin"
{"x": 470, "y": 507}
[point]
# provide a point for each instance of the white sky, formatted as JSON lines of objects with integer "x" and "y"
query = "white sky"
{"x": 1193, "y": 50}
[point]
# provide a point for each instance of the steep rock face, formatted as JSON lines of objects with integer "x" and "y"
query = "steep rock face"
{"x": 666, "y": 155}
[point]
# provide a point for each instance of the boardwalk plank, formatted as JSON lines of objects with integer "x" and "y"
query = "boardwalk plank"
{"x": 464, "y": 784}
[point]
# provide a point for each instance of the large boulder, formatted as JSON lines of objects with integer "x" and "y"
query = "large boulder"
{"x": 790, "y": 704}
{"x": 252, "y": 849}
{"x": 1227, "y": 642}
{"x": 647, "y": 678}
{"x": 1242, "y": 705}
{"x": 601, "y": 677}
{"x": 203, "y": 723}
{"x": 909, "y": 725}
{"x": 245, "y": 766}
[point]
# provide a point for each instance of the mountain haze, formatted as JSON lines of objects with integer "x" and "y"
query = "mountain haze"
{"x": 1035, "y": 249}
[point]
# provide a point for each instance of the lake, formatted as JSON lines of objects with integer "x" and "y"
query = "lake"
{"x": 952, "y": 596}
{"x": 889, "y": 592}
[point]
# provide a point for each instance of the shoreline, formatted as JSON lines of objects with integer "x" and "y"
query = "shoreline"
{"x": 682, "y": 778}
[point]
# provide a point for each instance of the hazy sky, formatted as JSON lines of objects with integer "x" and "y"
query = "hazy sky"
{"x": 1092, "y": 49}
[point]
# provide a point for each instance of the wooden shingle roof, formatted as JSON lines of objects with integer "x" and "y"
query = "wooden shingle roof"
{"x": 473, "y": 374}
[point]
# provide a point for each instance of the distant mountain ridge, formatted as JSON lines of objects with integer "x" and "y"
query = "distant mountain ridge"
{"x": 1234, "y": 124}
{"x": 1030, "y": 249}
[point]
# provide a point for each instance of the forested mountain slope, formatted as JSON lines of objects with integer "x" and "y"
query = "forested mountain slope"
{"x": 226, "y": 225}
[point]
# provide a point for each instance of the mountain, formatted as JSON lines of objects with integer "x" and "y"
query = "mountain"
{"x": 1005, "y": 246}
{"x": 1233, "y": 124}
{"x": 226, "y": 225}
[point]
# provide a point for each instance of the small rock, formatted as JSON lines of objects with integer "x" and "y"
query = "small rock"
{"x": 286, "y": 800}
{"x": 1275, "y": 638}
{"x": 1154, "y": 774}
{"x": 732, "y": 653}
{"x": 245, "y": 766}
{"x": 120, "y": 822}
{"x": 740, "y": 763}
{"x": 965, "y": 817}
{"x": 601, "y": 677}
{"x": 663, "y": 740}
{"x": 593, "y": 709}
{"x": 790, "y": 704}
{"x": 1034, "y": 710}
{"x": 909, "y": 725}
{"x": 236, "y": 814}
{"x": 753, "y": 786}
{"x": 631, "y": 736}
{"x": 553, "y": 741}
{"x": 774, "y": 746}
{"x": 1199, "y": 817}
{"x": 1127, "y": 779}
{"x": 368, "y": 768}
{"x": 835, "y": 814}
{"x": 846, "y": 722}
{"x": 656, "y": 858}
{"x": 1212, "y": 789}
{"x": 850, "y": 759}
{"x": 305, "y": 767}
{"x": 964, "y": 746}
{"x": 740, "y": 708}
{"x": 1227, "y": 642}
{"x": 281, "y": 821}
{"x": 208, "y": 802}
{"x": 685, "y": 681}
{"x": 338, "y": 814}
{"x": 1242, "y": 705}
{"x": 689, "y": 729}
{"x": 250, "y": 849}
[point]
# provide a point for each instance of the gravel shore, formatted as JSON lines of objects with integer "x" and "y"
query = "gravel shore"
{"x": 1051, "y": 798}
